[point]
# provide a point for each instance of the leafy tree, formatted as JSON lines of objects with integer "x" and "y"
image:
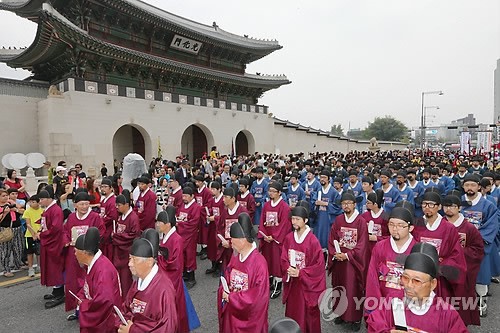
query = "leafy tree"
{"x": 386, "y": 129}
{"x": 337, "y": 130}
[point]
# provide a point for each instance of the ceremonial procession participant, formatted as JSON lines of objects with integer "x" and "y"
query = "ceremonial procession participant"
{"x": 385, "y": 269}
{"x": 326, "y": 208}
{"x": 421, "y": 308}
{"x": 295, "y": 193}
{"x": 418, "y": 191}
{"x": 445, "y": 238}
{"x": 150, "y": 305}
{"x": 354, "y": 185}
{"x": 337, "y": 183}
{"x": 109, "y": 215}
{"x": 51, "y": 248}
{"x": 145, "y": 205}
{"x": 484, "y": 216}
{"x": 77, "y": 224}
{"x": 188, "y": 222}
{"x": 259, "y": 192}
{"x": 127, "y": 229}
{"x": 348, "y": 267}
{"x": 311, "y": 187}
{"x": 460, "y": 176}
{"x": 303, "y": 272}
{"x": 213, "y": 221}
{"x": 245, "y": 307}
{"x": 101, "y": 289}
{"x": 274, "y": 226}
{"x": 367, "y": 186}
{"x": 245, "y": 198}
{"x": 405, "y": 191}
{"x": 175, "y": 197}
{"x": 377, "y": 230}
{"x": 228, "y": 216}
{"x": 391, "y": 194}
{"x": 204, "y": 199}
{"x": 171, "y": 261}
{"x": 473, "y": 246}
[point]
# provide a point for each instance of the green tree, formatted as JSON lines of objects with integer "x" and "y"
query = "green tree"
{"x": 337, "y": 130}
{"x": 386, "y": 129}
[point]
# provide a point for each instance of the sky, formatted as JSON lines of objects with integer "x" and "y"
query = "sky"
{"x": 353, "y": 60}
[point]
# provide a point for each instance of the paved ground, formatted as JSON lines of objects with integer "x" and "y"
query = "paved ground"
{"x": 22, "y": 307}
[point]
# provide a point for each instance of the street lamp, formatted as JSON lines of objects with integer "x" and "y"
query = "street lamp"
{"x": 422, "y": 120}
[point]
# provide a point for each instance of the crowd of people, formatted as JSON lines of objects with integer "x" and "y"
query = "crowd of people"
{"x": 400, "y": 234}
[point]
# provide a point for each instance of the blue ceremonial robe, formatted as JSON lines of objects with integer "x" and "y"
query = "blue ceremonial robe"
{"x": 295, "y": 196}
{"x": 391, "y": 197}
{"x": 418, "y": 191}
{"x": 325, "y": 215}
{"x": 357, "y": 189}
{"x": 447, "y": 183}
{"x": 259, "y": 192}
{"x": 313, "y": 188}
{"x": 406, "y": 194}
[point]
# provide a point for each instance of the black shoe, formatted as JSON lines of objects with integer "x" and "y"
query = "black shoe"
{"x": 212, "y": 269}
{"x": 276, "y": 291}
{"x": 185, "y": 276}
{"x": 338, "y": 321}
{"x": 54, "y": 302}
{"x": 191, "y": 281}
{"x": 49, "y": 296}
{"x": 356, "y": 326}
{"x": 216, "y": 274}
{"x": 495, "y": 280}
{"x": 72, "y": 317}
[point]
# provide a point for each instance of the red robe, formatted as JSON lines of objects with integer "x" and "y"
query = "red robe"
{"x": 127, "y": 229}
{"x": 100, "y": 292}
{"x": 451, "y": 255}
{"x": 52, "y": 247}
{"x": 248, "y": 283}
{"x": 301, "y": 294}
{"x": 153, "y": 309}
{"x": 473, "y": 244}
{"x": 227, "y": 218}
{"x": 215, "y": 210}
{"x": 274, "y": 221}
{"x": 380, "y": 228}
{"x": 145, "y": 207}
{"x": 204, "y": 199}
{"x": 248, "y": 202}
{"x": 437, "y": 319}
{"x": 385, "y": 270}
{"x": 75, "y": 275}
{"x": 173, "y": 268}
{"x": 350, "y": 273}
{"x": 188, "y": 221}
{"x": 175, "y": 199}
{"x": 109, "y": 215}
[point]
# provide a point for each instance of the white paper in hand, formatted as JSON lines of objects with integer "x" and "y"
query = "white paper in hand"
{"x": 222, "y": 239}
{"x": 262, "y": 233}
{"x": 370, "y": 226}
{"x": 319, "y": 195}
{"x": 293, "y": 261}
{"x": 398, "y": 312}
{"x": 114, "y": 226}
{"x": 120, "y": 315}
{"x": 337, "y": 246}
{"x": 73, "y": 294}
{"x": 224, "y": 284}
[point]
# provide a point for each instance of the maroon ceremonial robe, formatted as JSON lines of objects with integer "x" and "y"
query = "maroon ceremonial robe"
{"x": 385, "y": 270}
{"x": 352, "y": 236}
{"x": 109, "y": 215}
{"x": 445, "y": 238}
{"x": 100, "y": 292}
{"x": 227, "y": 218}
{"x": 188, "y": 222}
{"x": 127, "y": 229}
{"x": 75, "y": 275}
{"x": 301, "y": 294}
{"x": 248, "y": 282}
{"x": 434, "y": 319}
{"x": 473, "y": 244}
{"x": 173, "y": 267}
{"x": 145, "y": 207}
{"x": 275, "y": 221}
{"x": 247, "y": 201}
{"x": 380, "y": 228}
{"x": 204, "y": 199}
{"x": 152, "y": 308}
{"x": 175, "y": 198}
{"x": 215, "y": 211}
{"x": 52, "y": 246}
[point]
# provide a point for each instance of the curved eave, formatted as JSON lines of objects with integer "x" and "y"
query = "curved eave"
{"x": 22, "y": 8}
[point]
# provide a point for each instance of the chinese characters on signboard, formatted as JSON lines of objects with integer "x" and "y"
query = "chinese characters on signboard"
{"x": 186, "y": 44}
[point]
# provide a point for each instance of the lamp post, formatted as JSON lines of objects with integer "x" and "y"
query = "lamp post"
{"x": 422, "y": 120}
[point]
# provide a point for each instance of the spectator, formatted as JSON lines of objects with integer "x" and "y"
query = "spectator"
{"x": 13, "y": 182}
{"x": 104, "y": 171}
{"x": 9, "y": 218}
{"x": 32, "y": 216}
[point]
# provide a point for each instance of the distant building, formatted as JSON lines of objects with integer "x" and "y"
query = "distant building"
{"x": 496, "y": 117}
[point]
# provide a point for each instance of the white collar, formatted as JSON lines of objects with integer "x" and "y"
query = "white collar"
{"x": 378, "y": 214}
{"x": 310, "y": 182}
{"x": 201, "y": 189}
{"x": 124, "y": 216}
{"x": 404, "y": 247}
{"x": 298, "y": 239}
{"x": 353, "y": 216}
{"x": 388, "y": 189}
{"x": 144, "y": 193}
{"x": 274, "y": 204}
{"x": 422, "y": 310}
{"x": 476, "y": 200}
{"x": 435, "y": 225}
{"x": 96, "y": 256}
{"x": 51, "y": 204}
{"x": 218, "y": 198}
{"x": 232, "y": 211}
{"x": 353, "y": 186}
{"x": 327, "y": 189}
{"x": 84, "y": 215}
{"x": 413, "y": 186}
{"x": 176, "y": 190}
{"x": 167, "y": 236}
{"x": 242, "y": 259}
{"x": 104, "y": 199}
{"x": 244, "y": 195}
{"x": 143, "y": 284}
{"x": 189, "y": 204}
{"x": 426, "y": 183}
{"x": 259, "y": 182}
{"x": 459, "y": 221}
{"x": 294, "y": 188}
{"x": 404, "y": 187}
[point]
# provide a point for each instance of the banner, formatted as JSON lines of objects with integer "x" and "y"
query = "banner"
{"x": 484, "y": 142}
{"x": 465, "y": 142}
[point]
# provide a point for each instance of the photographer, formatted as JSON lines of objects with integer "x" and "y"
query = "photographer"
{"x": 9, "y": 218}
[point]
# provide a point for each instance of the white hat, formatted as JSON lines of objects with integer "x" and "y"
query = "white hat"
{"x": 60, "y": 168}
